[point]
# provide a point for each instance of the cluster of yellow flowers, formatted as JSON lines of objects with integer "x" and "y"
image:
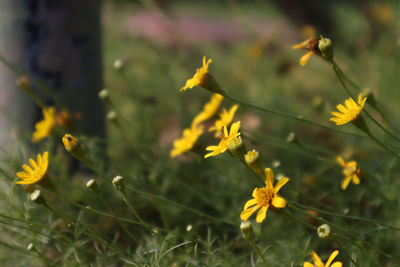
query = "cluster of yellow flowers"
{"x": 265, "y": 197}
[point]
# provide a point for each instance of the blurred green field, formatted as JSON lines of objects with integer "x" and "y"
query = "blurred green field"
{"x": 199, "y": 200}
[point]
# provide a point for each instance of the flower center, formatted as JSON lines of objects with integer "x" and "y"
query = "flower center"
{"x": 264, "y": 196}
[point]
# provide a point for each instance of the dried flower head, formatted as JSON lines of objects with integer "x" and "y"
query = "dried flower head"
{"x": 311, "y": 45}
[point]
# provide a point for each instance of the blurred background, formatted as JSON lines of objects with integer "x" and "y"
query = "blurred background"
{"x": 144, "y": 51}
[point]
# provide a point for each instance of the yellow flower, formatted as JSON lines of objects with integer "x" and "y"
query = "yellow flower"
{"x": 226, "y": 118}
{"x": 35, "y": 173}
{"x": 311, "y": 45}
{"x": 199, "y": 77}
{"x": 186, "y": 142}
{"x": 209, "y": 109}
{"x": 43, "y": 128}
{"x": 265, "y": 197}
{"x": 225, "y": 139}
{"x": 204, "y": 79}
{"x": 318, "y": 262}
{"x": 350, "y": 111}
{"x": 351, "y": 172}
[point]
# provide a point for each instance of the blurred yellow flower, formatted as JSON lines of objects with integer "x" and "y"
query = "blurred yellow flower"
{"x": 351, "y": 172}
{"x": 43, "y": 128}
{"x": 265, "y": 197}
{"x": 186, "y": 142}
{"x": 318, "y": 262}
{"x": 225, "y": 119}
{"x": 311, "y": 44}
{"x": 350, "y": 111}
{"x": 225, "y": 138}
{"x": 35, "y": 173}
{"x": 198, "y": 78}
{"x": 209, "y": 109}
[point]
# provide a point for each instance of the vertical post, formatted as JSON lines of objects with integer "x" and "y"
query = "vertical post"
{"x": 57, "y": 42}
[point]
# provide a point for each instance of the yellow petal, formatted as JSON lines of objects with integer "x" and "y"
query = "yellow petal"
{"x": 331, "y": 258}
{"x": 337, "y": 264}
{"x": 249, "y": 203}
{"x": 355, "y": 179}
{"x": 278, "y": 202}
{"x": 307, "y": 264}
{"x": 33, "y": 164}
{"x": 304, "y": 59}
{"x": 316, "y": 259}
{"x": 341, "y": 108}
{"x": 269, "y": 176}
{"x": 262, "y": 214}
{"x": 280, "y": 183}
{"x": 345, "y": 182}
{"x": 24, "y": 175}
{"x": 340, "y": 160}
{"x": 247, "y": 213}
{"x": 27, "y": 169}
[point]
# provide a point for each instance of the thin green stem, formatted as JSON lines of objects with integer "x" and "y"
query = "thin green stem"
{"x": 257, "y": 249}
{"x": 288, "y": 115}
{"x": 116, "y": 217}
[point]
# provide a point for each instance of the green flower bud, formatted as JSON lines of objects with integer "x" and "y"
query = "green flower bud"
{"x": 118, "y": 183}
{"x": 326, "y": 47}
{"x": 247, "y": 230}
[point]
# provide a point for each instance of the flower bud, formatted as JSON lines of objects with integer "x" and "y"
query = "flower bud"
{"x": 326, "y": 47}
{"x": 104, "y": 94}
{"x": 324, "y": 231}
{"x": 23, "y": 83}
{"x": 252, "y": 159}
{"x": 112, "y": 116}
{"x": 37, "y": 197}
{"x": 70, "y": 143}
{"x": 237, "y": 148}
{"x": 118, "y": 64}
{"x": 292, "y": 138}
{"x": 118, "y": 183}
{"x": 247, "y": 230}
{"x": 92, "y": 186}
{"x": 30, "y": 247}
